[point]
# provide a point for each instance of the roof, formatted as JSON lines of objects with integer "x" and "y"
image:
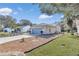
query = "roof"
{"x": 42, "y": 26}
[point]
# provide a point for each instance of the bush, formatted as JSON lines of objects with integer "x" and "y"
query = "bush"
{"x": 4, "y": 34}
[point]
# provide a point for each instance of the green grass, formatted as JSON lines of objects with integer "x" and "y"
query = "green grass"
{"x": 4, "y": 34}
{"x": 54, "y": 48}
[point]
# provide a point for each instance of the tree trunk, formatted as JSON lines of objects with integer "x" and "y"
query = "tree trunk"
{"x": 77, "y": 26}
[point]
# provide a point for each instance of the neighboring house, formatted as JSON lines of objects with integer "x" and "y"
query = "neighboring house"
{"x": 7, "y": 30}
{"x": 25, "y": 28}
{"x": 44, "y": 29}
{"x": 18, "y": 29}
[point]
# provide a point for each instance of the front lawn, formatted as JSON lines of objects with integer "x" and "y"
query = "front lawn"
{"x": 63, "y": 46}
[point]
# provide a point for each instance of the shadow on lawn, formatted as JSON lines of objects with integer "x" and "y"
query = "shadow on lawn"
{"x": 46, "y": 36}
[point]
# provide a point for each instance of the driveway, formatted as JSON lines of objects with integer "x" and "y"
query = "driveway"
{"x": 8, "y": 39}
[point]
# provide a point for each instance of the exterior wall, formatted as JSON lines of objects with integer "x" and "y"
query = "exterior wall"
{"x": 49, "y": 31}
{"x": 25, "y": 28}
{"x": 45, "y": 30}
{"x": 7, "y": 30}
{"x": 53, "y": 30}
{"x": 58, "y": 29}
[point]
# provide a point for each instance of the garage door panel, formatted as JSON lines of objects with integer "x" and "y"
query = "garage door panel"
{"x": 36, "y": 31}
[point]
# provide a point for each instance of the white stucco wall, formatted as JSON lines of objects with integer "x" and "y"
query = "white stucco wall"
{"x": 58, "y": 29}
{"x": 37, "y": 31}
{"x": 25, "y": 28}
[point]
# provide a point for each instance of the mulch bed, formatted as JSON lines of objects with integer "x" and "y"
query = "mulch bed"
{"x": 25, "y": 45}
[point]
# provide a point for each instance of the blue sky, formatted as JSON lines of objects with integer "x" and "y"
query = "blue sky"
{"x": 28, "y": 11}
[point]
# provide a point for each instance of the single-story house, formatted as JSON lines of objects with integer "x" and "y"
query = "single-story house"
{"x": 44, "y": 29}
{"x": 36, "y": 29}
{"x": 25, "y": 28}
{"x": 58, "y": 28}
{"x": 18, "y": 29}
{"x": 7, "y": 30}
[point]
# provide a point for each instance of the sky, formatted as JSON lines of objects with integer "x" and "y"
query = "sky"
{"x": 28, "y": 11}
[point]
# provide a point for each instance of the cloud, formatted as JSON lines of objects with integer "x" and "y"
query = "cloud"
{"x": 62, "y": 16}
{"x": 44, "y": 16}
{"x": 15, "y": 13}
{"x": 5, "y": 11}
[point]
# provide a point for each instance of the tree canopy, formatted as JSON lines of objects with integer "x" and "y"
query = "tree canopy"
{"x": 25, "y": 22}
{"x": 70, "y": 10}
{"x": 7, "y": 21}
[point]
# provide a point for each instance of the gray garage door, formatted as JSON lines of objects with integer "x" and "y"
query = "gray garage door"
{"x": 36, "y": 31}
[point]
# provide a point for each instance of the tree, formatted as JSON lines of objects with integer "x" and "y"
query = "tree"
{"x": 25, "y": 22}
{"x": 68, "y": 9}
{"x": 8, "y": 21}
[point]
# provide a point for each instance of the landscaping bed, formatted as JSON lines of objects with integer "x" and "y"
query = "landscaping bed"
{"x": 24, "y": 45}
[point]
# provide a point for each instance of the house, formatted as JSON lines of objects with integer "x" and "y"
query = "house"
{"x": 25, "y": 28}
{"x": 36, "y": 29}
{"x": 7, "y": 30}
{"x": 18, "y": 29}
{"x": 58, "y": 28}
{"x": 44, "y": 29}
